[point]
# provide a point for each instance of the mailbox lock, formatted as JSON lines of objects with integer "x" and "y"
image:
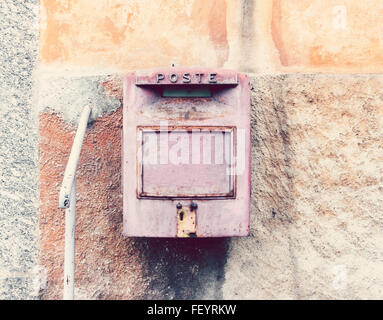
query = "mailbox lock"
{"x": 193, "y": 206}
{"x": 180, "y": 211}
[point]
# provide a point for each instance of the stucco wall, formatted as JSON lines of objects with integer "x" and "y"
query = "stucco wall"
{"x": 316, "y": 226}
{"x": 19, "y": 185}
{"x": 250, "y": 35}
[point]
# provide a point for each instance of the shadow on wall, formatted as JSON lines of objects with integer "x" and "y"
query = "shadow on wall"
{"x": 262, "y": 266}
{"x": 272, "y": 183}
{"x": 184, "y": 268}
{"x": 108, "y": 265}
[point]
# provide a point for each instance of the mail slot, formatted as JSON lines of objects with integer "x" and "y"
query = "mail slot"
{"x": 186, "y": 153}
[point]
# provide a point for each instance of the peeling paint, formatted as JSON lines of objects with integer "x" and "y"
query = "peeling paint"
{"x": 186, "y": 222}
{"x": 68, "y": 95}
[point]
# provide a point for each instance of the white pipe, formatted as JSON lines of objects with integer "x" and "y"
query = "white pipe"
{"x": 70, "y": 227}
{"x": 71, "y": 166}
{"x": 67, "y": 200}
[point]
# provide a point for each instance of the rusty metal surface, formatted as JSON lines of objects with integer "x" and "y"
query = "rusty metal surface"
{"x": 151, "y": 215}
{"x": 181, "y": 109}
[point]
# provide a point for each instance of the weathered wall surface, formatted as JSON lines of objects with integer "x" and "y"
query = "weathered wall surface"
{"x": 131, "y": 34}
{"x": 316, "y": 229}
{"x": 316, "y": 226}
{"x": 330, "y": 36}
{"x": 109, "y": 266}
{"x": 249, "y": 35}
{"x": 19, "y": 147}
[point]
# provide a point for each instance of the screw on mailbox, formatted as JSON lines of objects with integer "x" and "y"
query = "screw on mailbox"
{"x": 179, "y": 206}
{"x": 193, "y": 206}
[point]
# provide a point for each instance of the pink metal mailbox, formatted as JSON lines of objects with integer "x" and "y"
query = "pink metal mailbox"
{"x": 186, "y": 153}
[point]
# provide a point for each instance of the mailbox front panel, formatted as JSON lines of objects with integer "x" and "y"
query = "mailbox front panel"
{"x": 186, "y": 153}
{"x": 202, "y": 171}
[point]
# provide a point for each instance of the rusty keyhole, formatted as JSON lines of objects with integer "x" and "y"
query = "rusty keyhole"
{"x": 180, "y": 212}
{"x": 186, "y": 225}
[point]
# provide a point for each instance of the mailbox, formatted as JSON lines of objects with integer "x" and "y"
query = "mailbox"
{"x": 186, "y": 153}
